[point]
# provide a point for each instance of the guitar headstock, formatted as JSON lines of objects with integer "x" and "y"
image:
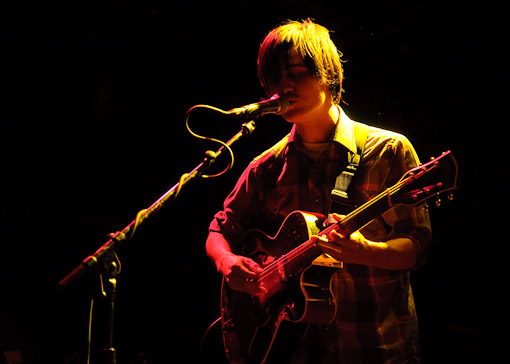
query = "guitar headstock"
{"x": 426, "y": 181}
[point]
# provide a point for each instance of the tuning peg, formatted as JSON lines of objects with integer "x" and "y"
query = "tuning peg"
{"x": 438, "y": 202}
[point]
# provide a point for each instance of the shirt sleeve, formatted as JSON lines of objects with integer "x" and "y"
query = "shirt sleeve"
{"x": 243, "y": 209}
{"x": 239, "y": 209}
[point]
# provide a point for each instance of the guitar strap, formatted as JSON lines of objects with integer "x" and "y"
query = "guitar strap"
{"x": 341, "y": 202}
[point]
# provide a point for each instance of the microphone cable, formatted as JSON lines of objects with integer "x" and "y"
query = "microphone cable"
{"x": 225, "y": 145}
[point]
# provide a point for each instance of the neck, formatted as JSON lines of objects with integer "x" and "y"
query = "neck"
{"x": 321, "y": 128}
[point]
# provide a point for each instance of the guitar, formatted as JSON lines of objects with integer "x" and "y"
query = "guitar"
{"x": 297, "y": 283}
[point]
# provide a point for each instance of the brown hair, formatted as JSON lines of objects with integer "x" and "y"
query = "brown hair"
{"x": 309, "y": 40}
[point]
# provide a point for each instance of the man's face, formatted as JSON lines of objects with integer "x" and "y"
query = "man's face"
{"x": 308, "y": 99}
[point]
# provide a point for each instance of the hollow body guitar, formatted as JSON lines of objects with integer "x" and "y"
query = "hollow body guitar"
{"x": 297, "y": 276}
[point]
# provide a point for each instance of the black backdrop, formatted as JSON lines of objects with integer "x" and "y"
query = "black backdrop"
{"x": 93, "y": 96}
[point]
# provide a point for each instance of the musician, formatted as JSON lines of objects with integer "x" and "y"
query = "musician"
{"x": 376, "y": 320}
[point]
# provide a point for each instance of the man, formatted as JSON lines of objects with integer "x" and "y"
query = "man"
{"x": 376, "y": 320}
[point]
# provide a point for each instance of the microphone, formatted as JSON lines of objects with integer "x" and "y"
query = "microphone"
{"x": 276, "y": 104}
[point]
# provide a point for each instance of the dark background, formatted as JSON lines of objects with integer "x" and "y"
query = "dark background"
{"x": 92, "y": 100}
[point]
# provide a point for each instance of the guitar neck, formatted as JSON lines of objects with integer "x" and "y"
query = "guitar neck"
{"x": 303, "y": 255}
{"x": 363, "y": 215}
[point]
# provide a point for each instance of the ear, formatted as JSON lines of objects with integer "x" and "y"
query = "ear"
{"x": 334, "y": 90}
{"x": 329, "y": 89}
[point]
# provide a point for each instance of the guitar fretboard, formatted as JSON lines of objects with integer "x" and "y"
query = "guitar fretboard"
{"x": 303, "y": 255}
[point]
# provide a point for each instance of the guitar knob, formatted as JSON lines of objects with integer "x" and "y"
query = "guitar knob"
{"x": 438, "y": 202}
{"x": 450, "y": 196}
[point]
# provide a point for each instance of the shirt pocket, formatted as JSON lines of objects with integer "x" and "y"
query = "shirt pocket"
{"x": 286, "y": 199}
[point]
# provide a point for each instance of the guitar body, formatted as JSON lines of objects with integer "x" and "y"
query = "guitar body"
{"x": 251, "y": 323}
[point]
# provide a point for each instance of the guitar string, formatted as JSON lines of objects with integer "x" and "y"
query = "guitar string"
{"x": 347, "y": 221}
{"x": 346, "y": 224}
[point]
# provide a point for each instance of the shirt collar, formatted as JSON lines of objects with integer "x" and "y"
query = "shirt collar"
{"x": 344, "y": 133}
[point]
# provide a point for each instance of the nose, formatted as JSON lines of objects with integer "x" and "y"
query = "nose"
{"x": 286, "y": 85}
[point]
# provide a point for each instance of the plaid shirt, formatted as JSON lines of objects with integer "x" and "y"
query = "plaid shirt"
{"x": 376, "y": 319}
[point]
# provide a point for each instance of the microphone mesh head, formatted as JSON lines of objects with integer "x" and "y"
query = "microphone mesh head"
{"x": 282, "y": 101}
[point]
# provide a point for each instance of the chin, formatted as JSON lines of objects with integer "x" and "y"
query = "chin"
{"x": 292, "y": 114}
{"x": 290, "y": 118}
{"x": 296, "y": 115}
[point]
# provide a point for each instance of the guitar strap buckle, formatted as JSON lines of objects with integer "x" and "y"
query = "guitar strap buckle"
{"x": 341, "y": 202}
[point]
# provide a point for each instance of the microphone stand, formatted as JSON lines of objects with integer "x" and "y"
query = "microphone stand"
{"x": 105, "y": 261}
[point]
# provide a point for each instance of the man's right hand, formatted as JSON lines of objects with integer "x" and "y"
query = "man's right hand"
{"x": 241, "y": 273}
